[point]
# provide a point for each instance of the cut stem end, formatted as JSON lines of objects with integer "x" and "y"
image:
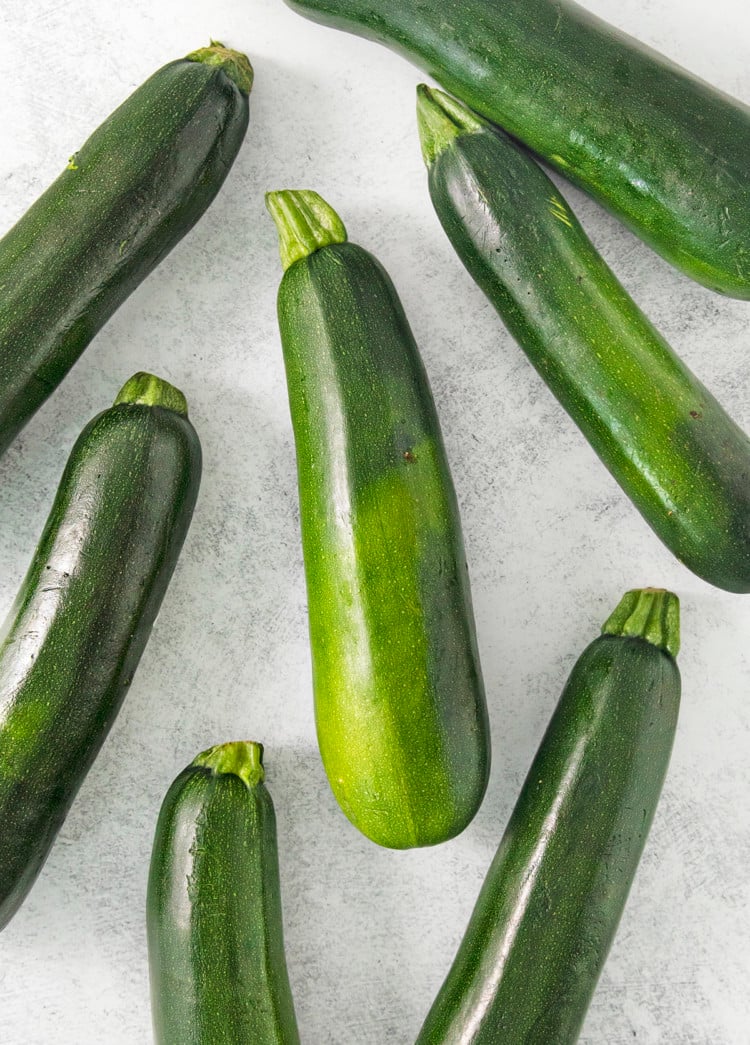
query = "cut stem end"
{"x": 305, "y": 223}
{"x": 235, "y": 64}
{"x": 148, "y": 390}
{"x": 652, "y": 614}
{"x": 441, "y": 119}
{"x": 241, "y": 758}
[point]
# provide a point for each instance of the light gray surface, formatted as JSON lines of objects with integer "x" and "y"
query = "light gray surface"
{"x": 551, "y": 541}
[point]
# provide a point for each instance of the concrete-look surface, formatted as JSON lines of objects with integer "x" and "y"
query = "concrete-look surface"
{"x": 551, "y": 540}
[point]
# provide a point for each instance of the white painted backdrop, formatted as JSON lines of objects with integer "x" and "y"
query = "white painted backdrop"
{"x": 552, "y": 543}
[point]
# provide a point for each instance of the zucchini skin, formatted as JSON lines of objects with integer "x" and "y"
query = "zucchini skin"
{"x": 666, "y": 440}
{"x": 134, "y": 189}
{"x": 215, "y": 937}
{"x": 552, "y": 899}
{"x": 82, "y": 619}
{"x": 662, "y": 150}
{"x": 399, "y": 700}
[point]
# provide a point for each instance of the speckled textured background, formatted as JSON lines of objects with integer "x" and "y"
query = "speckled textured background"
{"x": 551, "y": 541}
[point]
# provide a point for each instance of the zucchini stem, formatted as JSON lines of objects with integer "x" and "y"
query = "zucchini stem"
{"x": 148, "y": 390}
{"x": 234, "y": 63}
{"x": 304, "y": 222}
{"x": 242, "y": 758}
{"x": 441, "y": 119}
{"x": 652, "y": 614}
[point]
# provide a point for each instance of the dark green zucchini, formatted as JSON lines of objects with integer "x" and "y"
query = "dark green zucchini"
{"x": 84, "y": 612}
{"x": 215, "y": 939}
{"x": 399, "y": 701}
{"x": 661, "y": 149}
{"x": 550, "y": 904}
{"x": 670, "y": 445}
{"x": 127, "y": 197}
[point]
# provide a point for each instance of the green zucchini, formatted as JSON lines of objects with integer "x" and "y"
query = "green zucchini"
{"x": 399, "y": 701}
{"x": 661, "y": 149}
{"x": 215, "y": 939}
{"x": 135, "y": 188}
{"x": 550, "y": 904}
{"x": 85, "y": 610}
{"x": 670, "y": 445}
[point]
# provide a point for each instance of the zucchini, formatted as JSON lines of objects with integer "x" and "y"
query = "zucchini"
{"x": 550, "y": 904}
{"x": 664, "y": 151}
{"x": 85, "y": 610}
{"x": 215, "y": 939}
{"x": 399, "y": 701}
{"x": 670, "y": 445}
{"x": 135, "y": 188}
